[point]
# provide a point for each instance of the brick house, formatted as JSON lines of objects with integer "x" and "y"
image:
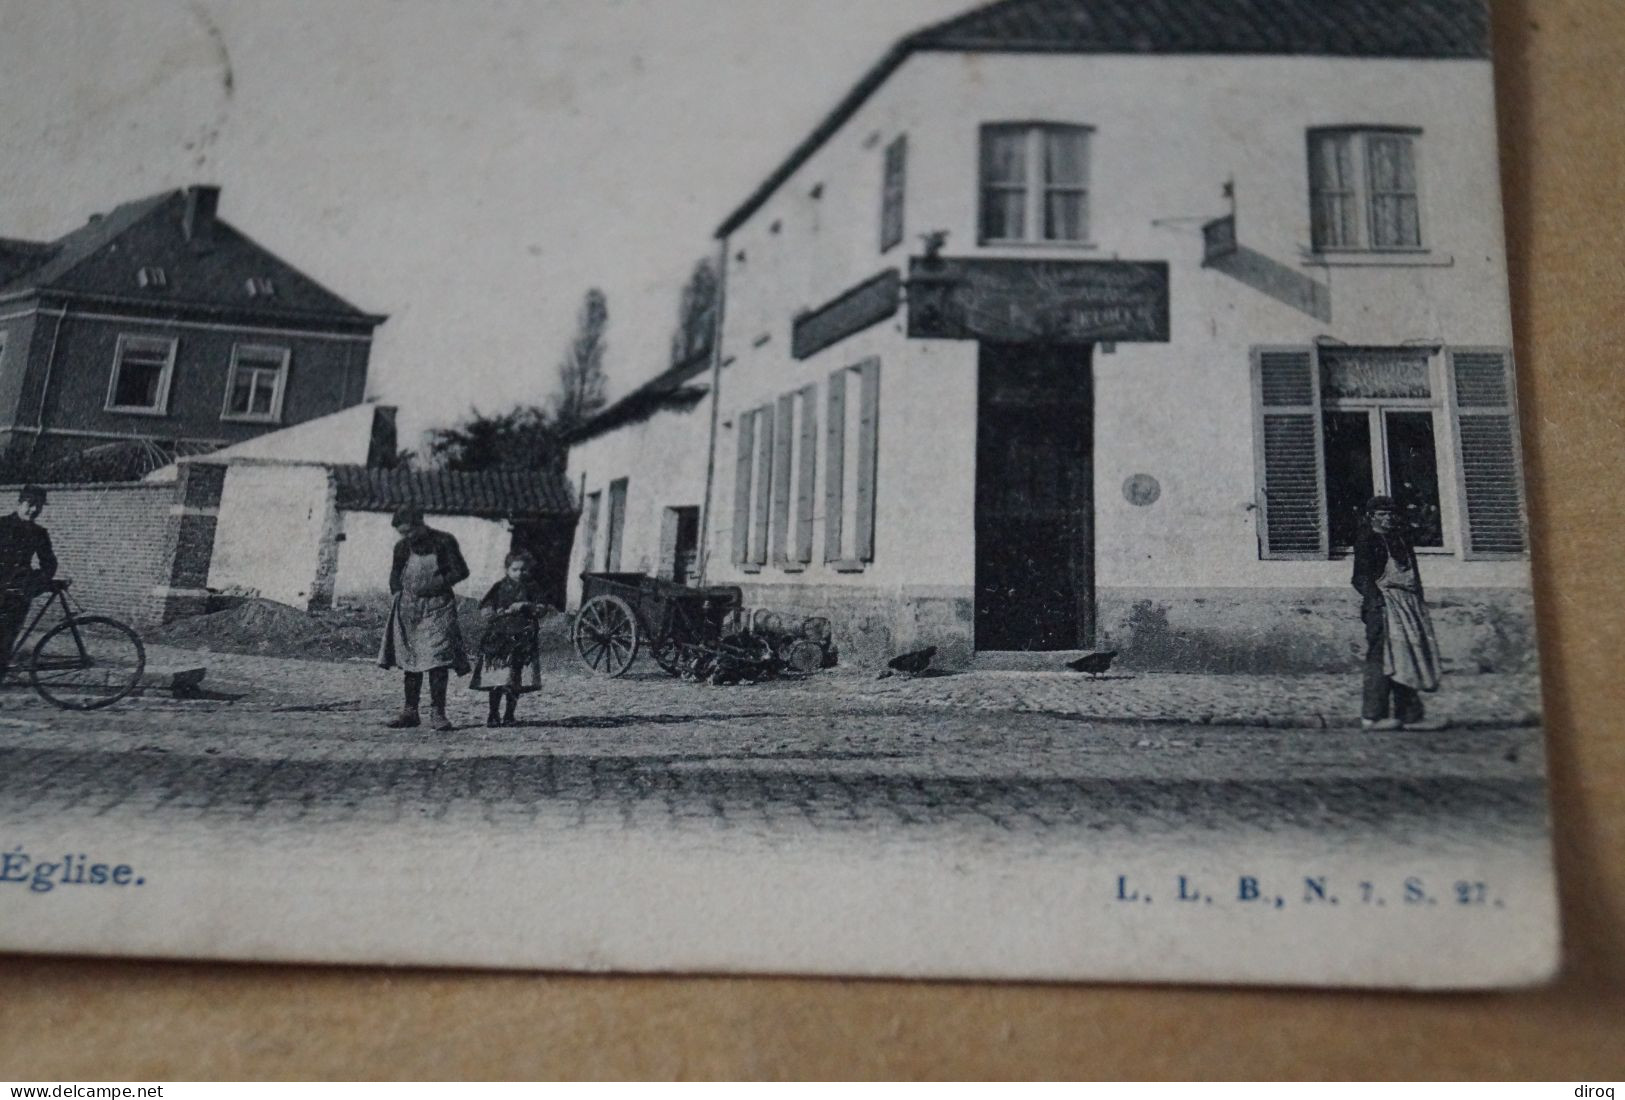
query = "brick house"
{"x": 158, "y": 330}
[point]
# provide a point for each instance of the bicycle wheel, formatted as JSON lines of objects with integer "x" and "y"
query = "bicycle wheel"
{"x": 88, "y": 662}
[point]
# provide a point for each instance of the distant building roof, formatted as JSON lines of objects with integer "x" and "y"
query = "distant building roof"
{"x": 493, "y": 494}
{"x": 669, "y": 389}
{"x": 201, "y": 262}
{"x": 1421, "y": 29}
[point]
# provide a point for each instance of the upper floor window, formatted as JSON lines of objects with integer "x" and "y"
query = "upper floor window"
{"x": 1363, "y": 192}
{"x": 891, "y": 193}
{"x": 260, "y": 286}
{"x": 1035, "y": 183}
{"x": 151, "y": 278}
{"x": 259, "y": 374}
{"x": 142, "y": 368}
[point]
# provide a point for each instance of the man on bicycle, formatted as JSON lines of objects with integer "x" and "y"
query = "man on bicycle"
{"x": 22, "y": 542}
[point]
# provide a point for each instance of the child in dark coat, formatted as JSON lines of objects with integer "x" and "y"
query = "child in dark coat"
{"x": 510, "y": 660}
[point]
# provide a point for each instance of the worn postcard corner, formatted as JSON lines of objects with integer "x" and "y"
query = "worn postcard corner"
{"x": 1004, "y": 490}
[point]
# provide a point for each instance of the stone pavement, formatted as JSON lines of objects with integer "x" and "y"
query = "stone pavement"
{"x": 1317, "y": 701}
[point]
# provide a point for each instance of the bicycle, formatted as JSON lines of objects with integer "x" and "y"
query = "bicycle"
{"x": 84, "y": 662}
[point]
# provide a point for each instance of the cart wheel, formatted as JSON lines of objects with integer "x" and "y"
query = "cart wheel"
{"x": 668, "y": 654}
{"x": 606, "y": 635}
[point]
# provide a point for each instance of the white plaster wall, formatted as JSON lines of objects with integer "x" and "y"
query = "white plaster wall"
{"x": 343, "y": 438}
{"x": 663, "y": 460}
{"x": 368, "y": 548}
{"x": 1169, "y": 132}
{"x": 269, "y": 532}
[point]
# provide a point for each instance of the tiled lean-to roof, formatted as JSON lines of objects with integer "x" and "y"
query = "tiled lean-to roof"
{"x": 1419, "y": 29}
{"x": 493, "y": 494}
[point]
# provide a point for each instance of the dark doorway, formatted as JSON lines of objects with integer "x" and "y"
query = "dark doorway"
{"x": 1035, "y": 537}
{"x": 549, "y": 542}
{"x": 680, "y": 544}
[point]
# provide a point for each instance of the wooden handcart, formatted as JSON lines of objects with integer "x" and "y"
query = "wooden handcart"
{"x": 623, "y": 614}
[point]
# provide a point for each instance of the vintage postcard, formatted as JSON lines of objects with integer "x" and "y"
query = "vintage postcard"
{"x": 940, "y": 489}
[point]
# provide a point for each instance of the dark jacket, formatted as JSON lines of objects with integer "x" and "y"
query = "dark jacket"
{"x": 21, "y": 542}
{"x": 1371, "y": 555}
{"x": 453, "y": 569}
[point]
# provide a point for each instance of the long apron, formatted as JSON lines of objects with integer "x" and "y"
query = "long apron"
{"x": 1410, "y": 650}
{"x": 422, "y": 633}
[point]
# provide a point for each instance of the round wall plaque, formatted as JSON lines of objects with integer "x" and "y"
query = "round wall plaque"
{"x": 1141, "y": 490}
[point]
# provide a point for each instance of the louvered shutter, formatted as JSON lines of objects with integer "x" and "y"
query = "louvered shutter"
{"x": 742, "y": 465}
{"x": 1290, "y": 454}
{"x": 868, "y": 454}
{"x": 764, "y": 484}
{"x": 1487, "y": 452}
{"x": 783, "y": 436}
{"x": 834, "y": 465}
{"x": 807, "y": 474}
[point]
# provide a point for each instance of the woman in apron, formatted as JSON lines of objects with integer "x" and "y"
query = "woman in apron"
{"x": 1402, "y": 654}
{"x": 422, "y": 634}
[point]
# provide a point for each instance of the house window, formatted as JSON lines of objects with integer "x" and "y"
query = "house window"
{"x": 1338, "y": 426}
{"x": 589, "y": 531}
{"x": 151, "y": 278}
{"x": 142, "y": 368}
{"x": 260, "y": 286}
{"x": 615, "y": 530}
{"x": 259, "y": 375}
{"x": 1035, "y": 183}
{"x": 893, "y": 187}
{"x": 1363, "y": 191}
{"x": 851, "y": 457}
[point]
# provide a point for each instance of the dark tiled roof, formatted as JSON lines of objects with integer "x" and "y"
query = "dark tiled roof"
{"x": 493, "y": 494}
{"x": 101, "y": 259}
{"x": 1337, "y": 28}
{"x": 672, "y": 388}
{"x": 1422, "y": 29}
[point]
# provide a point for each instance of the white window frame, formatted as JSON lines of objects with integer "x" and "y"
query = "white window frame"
{"x": 284, "y": 355}
{"x": 1376, "y": 410}
{"x": 1363, "y": 194}
{"x": 1036, "y": 186}
{"x": 131, "y": 341}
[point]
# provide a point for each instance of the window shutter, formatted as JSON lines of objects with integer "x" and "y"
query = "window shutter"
{"x": 1291, "y": 458}
{"x": 834, "y": 464}
{"x": 783, "y": 436}
{"x": 808, "y": 474}
{"x": 747, "y": 445}
{"x": 868, "y": 452}
{"x": 764, "y": 484}
{"x": 1484, "y": 403}
{"x": 893, "y": 187}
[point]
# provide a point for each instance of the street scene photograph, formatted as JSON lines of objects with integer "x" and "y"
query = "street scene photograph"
{"x": 1027, "y": 489}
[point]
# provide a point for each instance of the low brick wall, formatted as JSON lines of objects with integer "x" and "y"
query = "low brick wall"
{"x": 114, "y": 541}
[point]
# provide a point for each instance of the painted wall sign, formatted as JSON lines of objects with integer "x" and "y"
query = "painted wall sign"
{"x": 1050, "y": 301}
{"x": 866, "y": 304}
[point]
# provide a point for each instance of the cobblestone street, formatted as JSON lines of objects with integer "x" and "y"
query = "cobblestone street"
{"x": 286, "y": 742}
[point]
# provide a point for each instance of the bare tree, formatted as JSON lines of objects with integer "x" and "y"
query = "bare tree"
{"x": 696, "y": 313}
{"x": 581, "y": 372}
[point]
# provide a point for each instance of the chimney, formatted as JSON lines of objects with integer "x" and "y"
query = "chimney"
{"x": 382, "y": 449}
{"x": 198, "y": 220}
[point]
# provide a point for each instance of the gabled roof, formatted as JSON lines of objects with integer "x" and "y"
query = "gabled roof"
{"x": 1419, "y": 29}
{"x": 492, "y": 494}
{"x": 210, "y": 269}
{"x": 672, "y": 388}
